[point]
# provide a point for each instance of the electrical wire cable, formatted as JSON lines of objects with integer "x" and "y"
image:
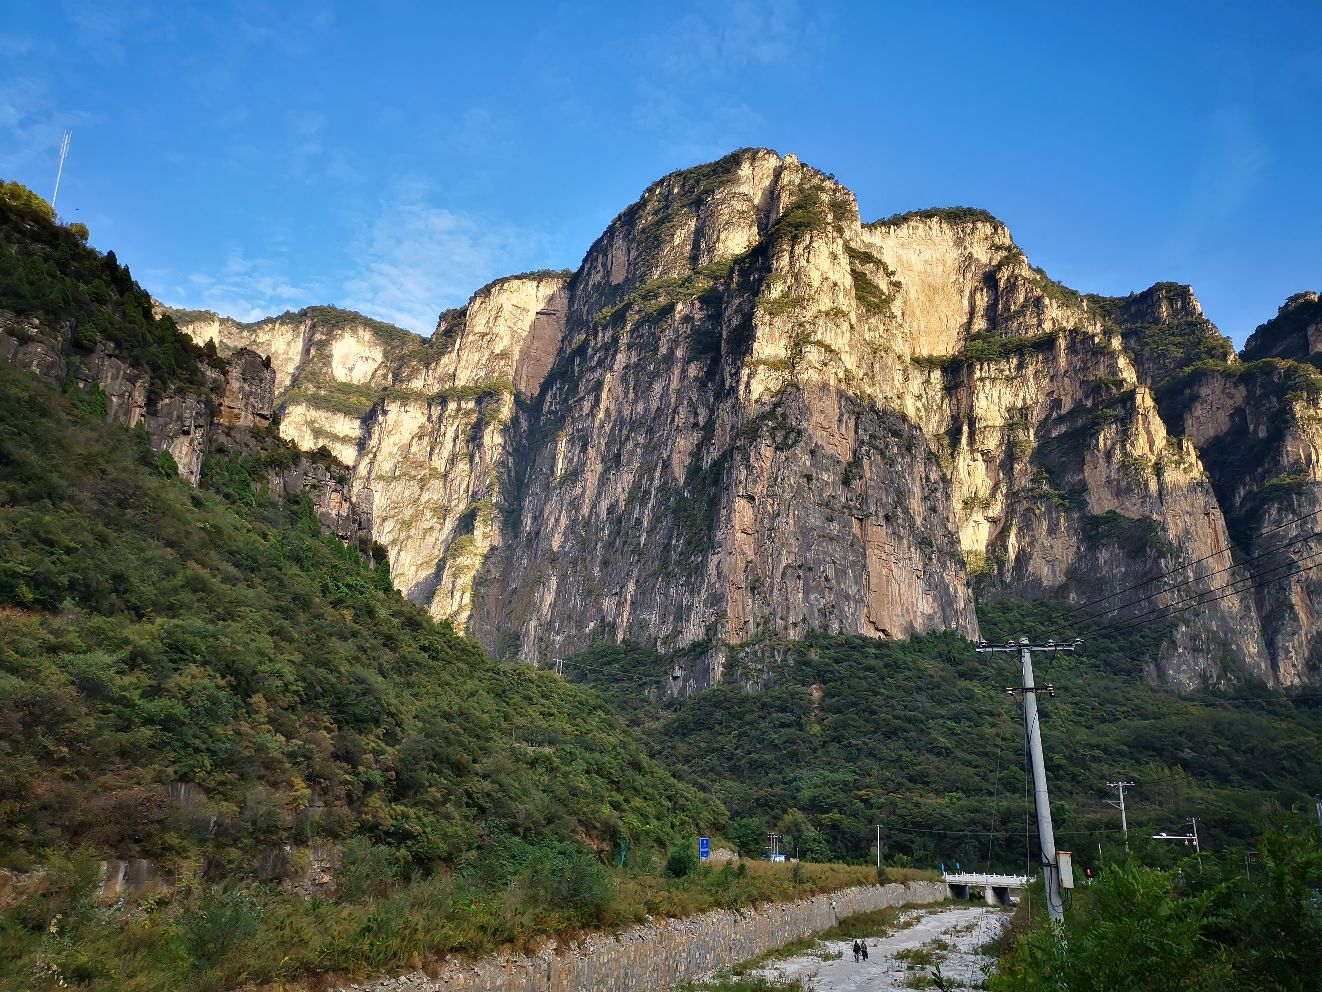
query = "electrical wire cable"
{"x": 1224, "y": 594}
{"x": 653, "y": 681}
{"x": 1207, "y": 557}
{"x": 1098, "y": 618}
{"x": 1125, "y": 621}
{"x": 997, "y": 796}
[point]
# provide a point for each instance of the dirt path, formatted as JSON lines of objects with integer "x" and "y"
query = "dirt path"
{"x": 965, "y": 928}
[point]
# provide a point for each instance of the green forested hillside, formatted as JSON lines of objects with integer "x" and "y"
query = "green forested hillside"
{"x": 920, "y": 737}
{"x": 48, "y": 273}
{"x": 155, "y": 635}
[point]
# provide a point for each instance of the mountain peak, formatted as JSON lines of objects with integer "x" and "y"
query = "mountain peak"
{"x": 1295, "y": 332}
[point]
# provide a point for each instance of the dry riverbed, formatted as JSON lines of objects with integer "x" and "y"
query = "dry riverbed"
{"x": 902, "y": 955}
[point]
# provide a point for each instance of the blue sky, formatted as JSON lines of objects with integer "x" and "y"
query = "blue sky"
{"x": 252, "y": 157}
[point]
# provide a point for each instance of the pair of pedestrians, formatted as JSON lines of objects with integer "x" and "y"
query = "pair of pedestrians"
{"x": 860, "y": 951}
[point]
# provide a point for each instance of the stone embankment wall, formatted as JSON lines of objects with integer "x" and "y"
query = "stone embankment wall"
{"x": 658, "y": 955}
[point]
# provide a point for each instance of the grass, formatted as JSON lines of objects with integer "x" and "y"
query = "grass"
{"x": 746, "y": 883}
{"x": 222, "y": 937}
{"x": 987, "y": 346}
{"x": 878, "y": 923}
{"x": 337, "y": 397}
{"x": 951, "y": 215}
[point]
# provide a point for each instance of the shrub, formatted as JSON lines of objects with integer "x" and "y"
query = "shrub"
{"x": 571, "y": 879}
{"x": 365, "y": 870}
{"x": 681, "y": 860}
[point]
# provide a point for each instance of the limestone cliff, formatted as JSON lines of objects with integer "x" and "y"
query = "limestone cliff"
{"x": 1258, "y": 423}
{"x": 422, "y": 423}
{"x": 749, "y": 415}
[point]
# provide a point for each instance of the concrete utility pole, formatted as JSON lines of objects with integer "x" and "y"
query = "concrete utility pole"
{"x": 878, "y": 847}
{"x": 1124, "y": 821}
{"x": 1046, "y": 835}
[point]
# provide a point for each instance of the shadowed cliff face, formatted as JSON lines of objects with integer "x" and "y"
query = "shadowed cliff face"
{"x": 747, "y": 415}
{"x": 1258, "y": 424}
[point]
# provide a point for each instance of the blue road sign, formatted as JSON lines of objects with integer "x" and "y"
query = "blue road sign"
{"x": 704, "y": 848}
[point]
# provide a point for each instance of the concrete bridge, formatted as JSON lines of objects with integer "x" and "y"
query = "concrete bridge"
{"x": 995, "y": 888}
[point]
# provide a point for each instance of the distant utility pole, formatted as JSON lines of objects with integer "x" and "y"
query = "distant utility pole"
{"x": 1186, "y": 838}
{"x": 1124, "y": 821}
{"x": 773, "y": 844}
{"x": 64, "y": 151}
{"x": 1046, "y": 835}
{"x": 878, "y": 847}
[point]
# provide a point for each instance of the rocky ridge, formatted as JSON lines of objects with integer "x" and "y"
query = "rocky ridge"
{"x": 188, "y": 423}
{"x": 748, "y": 415}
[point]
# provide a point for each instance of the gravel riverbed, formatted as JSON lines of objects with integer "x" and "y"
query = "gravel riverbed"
{"x": 896, "y": 962}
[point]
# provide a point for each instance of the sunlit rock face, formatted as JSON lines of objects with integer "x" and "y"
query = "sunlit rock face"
{"x": 748, "y": 415}
{"x": 423, "y": 423}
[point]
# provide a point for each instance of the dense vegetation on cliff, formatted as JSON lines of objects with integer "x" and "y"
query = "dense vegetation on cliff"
{"x": 156, "y": 634}
{"x": 48, "y": 273}
{"x": 920, "y": 737}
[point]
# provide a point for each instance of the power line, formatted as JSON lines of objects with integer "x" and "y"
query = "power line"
{"x": 1230, "y": 592}
{"x": 1289, "y": 698}
{"x": 1207, "y": 557}
{"x": 1196, "y": 596}
{"x": 1096, "y": 618}
{"x": 889, "y": 828}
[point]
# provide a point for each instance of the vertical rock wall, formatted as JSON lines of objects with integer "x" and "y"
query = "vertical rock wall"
{"x": 749, "y": 415}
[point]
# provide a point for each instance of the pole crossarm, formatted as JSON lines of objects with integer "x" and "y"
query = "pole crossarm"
{"x": 1011, "y": 647}
{"x": 1186, "y": 838}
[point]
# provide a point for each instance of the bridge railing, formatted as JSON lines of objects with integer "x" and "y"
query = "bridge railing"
{"x": 983, "y": 878}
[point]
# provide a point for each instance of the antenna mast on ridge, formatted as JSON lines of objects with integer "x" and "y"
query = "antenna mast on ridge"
{"x": 64, "y": 151}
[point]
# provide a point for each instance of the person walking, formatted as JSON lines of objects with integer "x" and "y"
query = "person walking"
{"x": 856, "y": 952}
{"x": 865, "y": 950}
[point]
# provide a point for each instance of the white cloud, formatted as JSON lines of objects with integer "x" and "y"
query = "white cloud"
{"x": 105, "y": 31}
{"x": 14, "y": 45}
{"x": 244, "y": 288}
{"x": 483, "y": 136}
{"x": 416, "y": 258}
{"x": 413, "y": 259}
{"x": 701, "y": 60}
{"x": 1230, "y": 165}
{"x": 31, "y": 131}
{"x": 723, "y": 42}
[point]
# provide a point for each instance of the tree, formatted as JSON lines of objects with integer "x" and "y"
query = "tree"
{"x": 682, "y": 860}
{"x": 749, "y": 836}
{"x": 21, "y": 196}
{"x": 793, "y": 828}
